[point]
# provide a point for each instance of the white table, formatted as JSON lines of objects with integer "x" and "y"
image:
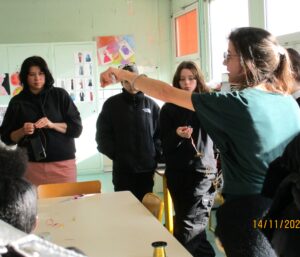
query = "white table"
{"x": 104, "y": 225}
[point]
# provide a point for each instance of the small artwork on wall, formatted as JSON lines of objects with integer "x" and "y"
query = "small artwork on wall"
{"x": 115, "y": 49}
{"x": 4, "y": 84}
{"x": 80, "y": 86}
{"x": 15, "y": 83}
{"x": 80, "y": 89}
{"x": 83, "y": 64}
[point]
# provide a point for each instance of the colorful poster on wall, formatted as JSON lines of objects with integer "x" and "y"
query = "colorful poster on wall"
{"x": 4, "y": 84}
{"x": 15, "y": 83}
{"x": 115, "y": 49}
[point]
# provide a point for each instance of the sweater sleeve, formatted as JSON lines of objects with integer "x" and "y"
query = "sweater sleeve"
{"x": 72, "y": 117}
{"x": 169, "y": 137}
{"x": 156, "y": 135}
{"x": 104, "y": 133}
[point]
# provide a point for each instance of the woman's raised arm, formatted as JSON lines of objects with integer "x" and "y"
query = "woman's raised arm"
{"x": 152, "y": 87}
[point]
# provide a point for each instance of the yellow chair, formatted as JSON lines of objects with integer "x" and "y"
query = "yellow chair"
{"x": 167, "y": 201}
{"x": 219, "y": 200}
{"x": 68, "y": 189}
{"x": 154, "y": 204}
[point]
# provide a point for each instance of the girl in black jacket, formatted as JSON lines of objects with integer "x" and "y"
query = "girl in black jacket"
{"x": 190, "y": 165}
{"x": 45, "y": 120}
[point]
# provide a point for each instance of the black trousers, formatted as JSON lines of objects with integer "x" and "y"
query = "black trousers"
{"x": 137, "y": 183}
{"x": 192, "y": 194}
{"x": 236, "y": 229}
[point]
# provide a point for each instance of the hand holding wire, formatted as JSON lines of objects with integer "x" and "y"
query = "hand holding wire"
{"x": 44, "y": 123}
{"x": 184, "y": 131}
{"x": 28, "y": 128}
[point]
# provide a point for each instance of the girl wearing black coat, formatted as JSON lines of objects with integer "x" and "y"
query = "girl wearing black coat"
{"x": 190, "y": 165}
{"x": 44, "y": 120}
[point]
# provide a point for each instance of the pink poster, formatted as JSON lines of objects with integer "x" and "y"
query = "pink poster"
{"x": 115, "y": 50}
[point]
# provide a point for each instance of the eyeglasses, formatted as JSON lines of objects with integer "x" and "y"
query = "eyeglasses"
{"x": 227, "y": 56}
{"x": 187, "y": 78}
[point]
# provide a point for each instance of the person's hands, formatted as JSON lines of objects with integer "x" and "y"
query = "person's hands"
{"x": 110, "y": 76}
{"x": 28, "y": 128}
{"x": 44, "y": 123}
{"x": 184, "y": 131}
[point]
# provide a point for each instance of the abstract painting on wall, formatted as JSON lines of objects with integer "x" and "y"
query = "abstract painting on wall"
{"x": 15, "y": 83}
{"x": 4, "y": 84}
{"x": 115, "y": 50}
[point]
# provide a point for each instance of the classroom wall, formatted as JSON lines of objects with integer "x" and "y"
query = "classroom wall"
{"x": 47, "y": 21}
{"x": 43, "y": 21}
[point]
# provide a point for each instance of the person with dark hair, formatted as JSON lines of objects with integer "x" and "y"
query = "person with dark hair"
{"x": 189, "y": 176}
{"x": 128, "y": 133}
{"x": 13, "y": 162}
{"x": 295, "y": 61}
{"x": 246, "y": 128}
{"x": 44, "y": 120}
{"x": 18, "y": 203}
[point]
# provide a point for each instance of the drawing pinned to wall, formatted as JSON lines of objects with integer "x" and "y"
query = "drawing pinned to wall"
{"x": 115, "y": 49}
{"x": 14, "y": 79}
{"x": 15, "y": 82}
{"x": 81, "y": 96}
{"x": 80, "y": 89}
{"x": 81, "y": 86}
{"x": 83, "y": 64}
{"x": 4, "y": 84}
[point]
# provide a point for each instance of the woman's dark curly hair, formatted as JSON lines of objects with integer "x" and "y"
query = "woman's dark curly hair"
{"x": 35, "y": 61}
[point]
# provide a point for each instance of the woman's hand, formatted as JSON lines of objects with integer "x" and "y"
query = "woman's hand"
{"x": 28, "y": 128}
{"x": 110, "y": 76}
{"x": 113, "y": 75}
{"x": 44, "y": 123}
{"x": 184, "y": 131}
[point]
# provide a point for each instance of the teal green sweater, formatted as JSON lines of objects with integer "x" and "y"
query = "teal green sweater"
{"x": 251, "y": 128}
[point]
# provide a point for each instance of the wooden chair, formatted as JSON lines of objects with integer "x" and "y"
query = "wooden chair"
{"x": 68, "y": 189}
{"x": 154, "y": 204}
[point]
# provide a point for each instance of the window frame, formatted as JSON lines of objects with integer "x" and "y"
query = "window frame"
{"x": 195, "y": 56}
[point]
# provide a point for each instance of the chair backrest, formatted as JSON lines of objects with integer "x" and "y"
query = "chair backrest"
{"x": 154, "y": 204}
{"x": 68, "y": 189}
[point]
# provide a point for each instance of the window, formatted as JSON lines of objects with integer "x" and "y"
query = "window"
{"x": 224, "y": 17}
{"x": 282, "y": 16}
{"x": 186, "y": 34}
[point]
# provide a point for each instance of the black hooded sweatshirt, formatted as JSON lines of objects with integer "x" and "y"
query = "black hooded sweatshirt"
{"x": 53, "y": 103}
{"x": 128, "y": 132}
